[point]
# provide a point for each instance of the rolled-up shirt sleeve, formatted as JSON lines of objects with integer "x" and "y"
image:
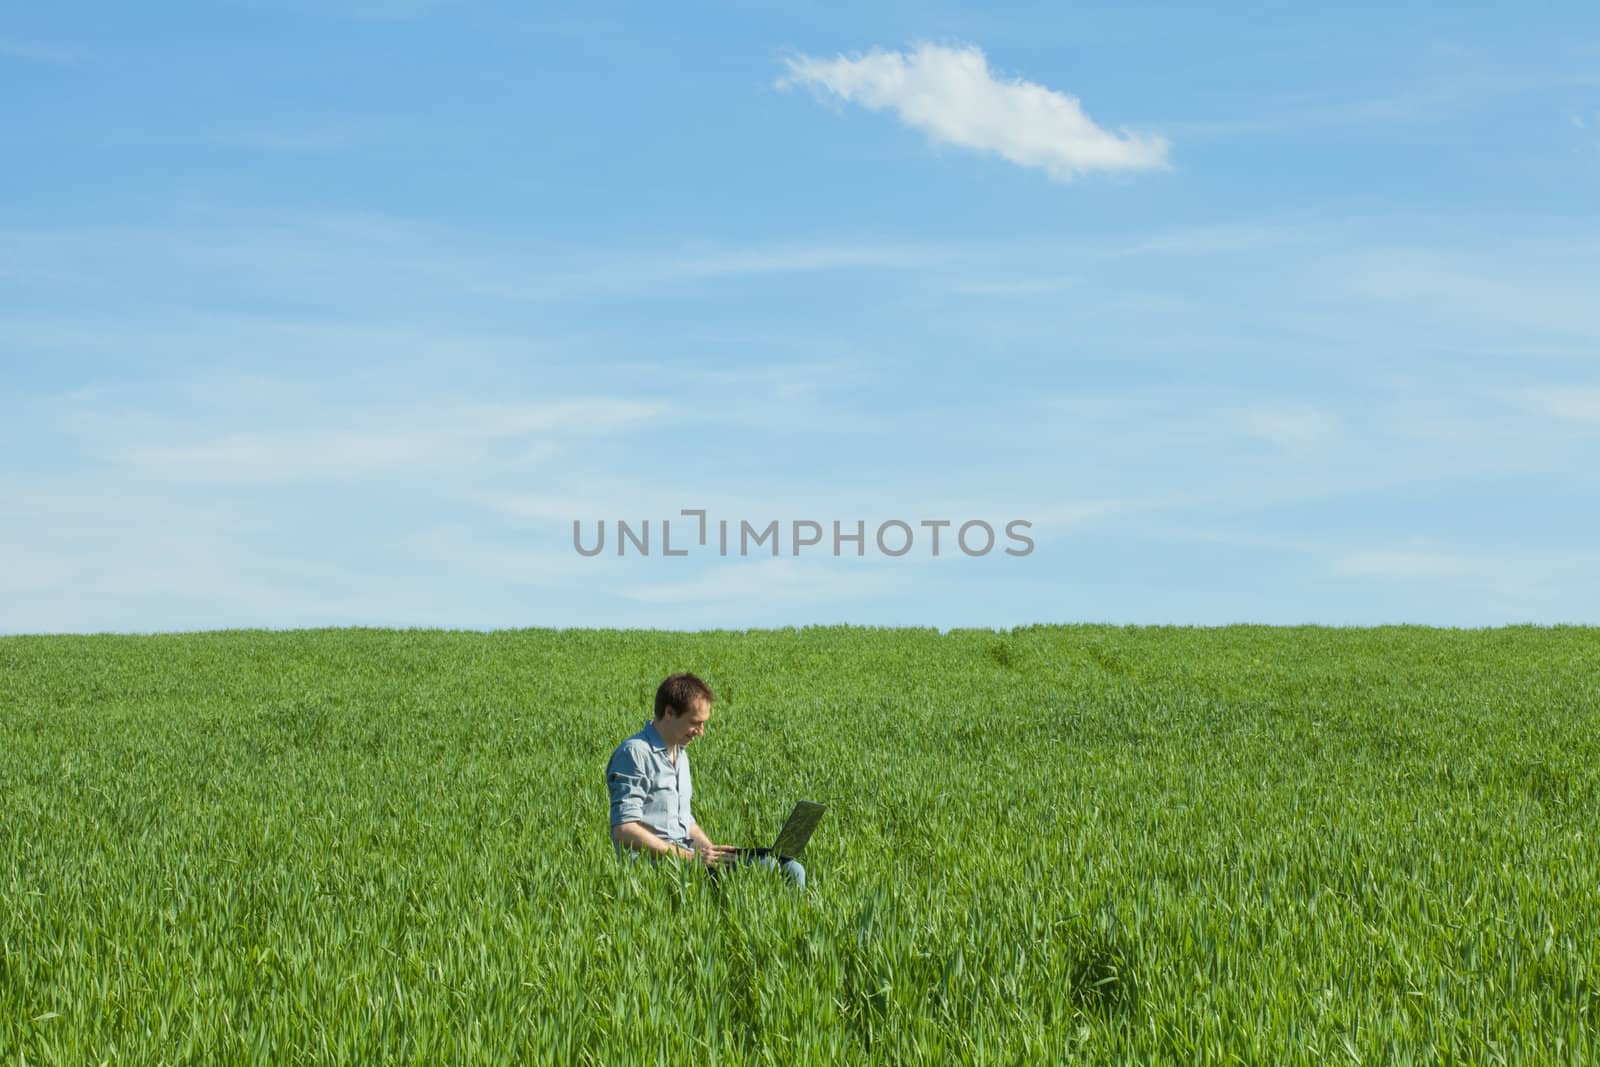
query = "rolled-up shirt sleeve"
{"x": 626, "y": 781}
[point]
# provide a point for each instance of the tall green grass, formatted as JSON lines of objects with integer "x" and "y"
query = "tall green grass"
{"x": 1239, "y": 845}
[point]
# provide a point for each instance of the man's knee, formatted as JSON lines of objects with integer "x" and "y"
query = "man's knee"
{"x": 789, "y": 868}
{"x": 795, "y": 873}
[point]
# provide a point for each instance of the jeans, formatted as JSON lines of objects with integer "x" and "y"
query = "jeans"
{"x": 788, "y": 865}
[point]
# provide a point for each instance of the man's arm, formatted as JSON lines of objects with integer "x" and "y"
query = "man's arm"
{"x": 626, "y": 781}
{"x": 635, "y": 835}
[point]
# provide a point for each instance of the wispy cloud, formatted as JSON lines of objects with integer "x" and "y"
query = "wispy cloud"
{"x": 757, "y": 582}
{"x": 1223, "y": 238}
{"x": 1075, "y": 513}
{"x": 1037, "y": 285}
{"x": 1189, "y": 419}
{"x": 1577, "y": 402}
{"x": 378, "y": 10}
{"x": 1444, "y": 96}
{"x": 952, "y": 95}
{"x": 361, "y": 443}
{"x": 310, "y": 139}
{"x": 1405, "y": 563}
{"x": 88, "y": 553}
{"x": 1432, "y": 101}
{"x": 796, "y": 258}
{"x": 1488, "y": 584}
{"x": 289, "y": 136}
{"x": 1534, "y": 290}
{"x": 1511, "y": 585}
{"x": 1290, "y": 426}
{"x": 355, "y": 256}
{"x": 41, "y": 52}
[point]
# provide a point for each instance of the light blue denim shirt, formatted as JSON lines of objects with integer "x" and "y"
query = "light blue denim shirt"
{"x": 647, "y": 787}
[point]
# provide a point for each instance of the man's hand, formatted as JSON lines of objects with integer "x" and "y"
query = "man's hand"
{"x": 708, "y": 853}
{"x": 713, "y": 855}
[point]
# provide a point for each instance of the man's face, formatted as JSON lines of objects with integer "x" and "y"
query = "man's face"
{"x": 681, "y": 729}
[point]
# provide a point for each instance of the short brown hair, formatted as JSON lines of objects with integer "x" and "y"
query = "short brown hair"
{"x": 680, "y": 693}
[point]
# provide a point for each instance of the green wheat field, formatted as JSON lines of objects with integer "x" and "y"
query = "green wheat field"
{"x": 1055, "y": 844}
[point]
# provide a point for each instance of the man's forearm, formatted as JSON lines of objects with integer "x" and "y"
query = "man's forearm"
{"x": 635, "y": 835}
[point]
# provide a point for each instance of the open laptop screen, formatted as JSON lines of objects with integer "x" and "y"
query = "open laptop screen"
{"x": 797, "y": 831}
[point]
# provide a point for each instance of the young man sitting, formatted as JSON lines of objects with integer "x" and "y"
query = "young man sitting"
{"x": 651, "y": 789}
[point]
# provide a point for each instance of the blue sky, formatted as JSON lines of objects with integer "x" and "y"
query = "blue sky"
{"x": 342, "y": 312}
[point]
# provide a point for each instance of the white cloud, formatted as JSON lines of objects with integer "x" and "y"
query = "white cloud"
{"x": 89, "y": 553}
{"x": 470, "y": 557}
{"x": 1192, "y": 419}
{"x": 304, "y": 140}
{"x": 1086, "y": 511}
{"x": 341, "y": 440}
{"x": 1433, "y": 101}
{"x": 1579, "y": 402}
{"x": 1533, "y": 290}
{"x": 1222, "y": 239}
{"x": 375, "y": 10}
{"x": 1403, "y": 563}
{"x": 1496, "y": 571}
{"x": 951, "y": 94}
{"x": 759, "y": 582}
{"x": 1040, "y": 285}
{"x": 40, "y": 52}
{"x": 363, "y": 263}
{"x": 1291, "y": 426}
{"x": 283, "y": 456}
{"x": 1501, "y": 586}
{"x": 794, "y": 259}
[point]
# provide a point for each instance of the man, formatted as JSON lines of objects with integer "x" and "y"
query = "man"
{"x": 651, "y": 788}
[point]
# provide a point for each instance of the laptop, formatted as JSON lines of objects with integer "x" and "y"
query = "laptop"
{"x": 795, "y": 833}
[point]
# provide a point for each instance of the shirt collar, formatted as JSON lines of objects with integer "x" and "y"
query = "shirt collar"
{"x": 653, "y": 736}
